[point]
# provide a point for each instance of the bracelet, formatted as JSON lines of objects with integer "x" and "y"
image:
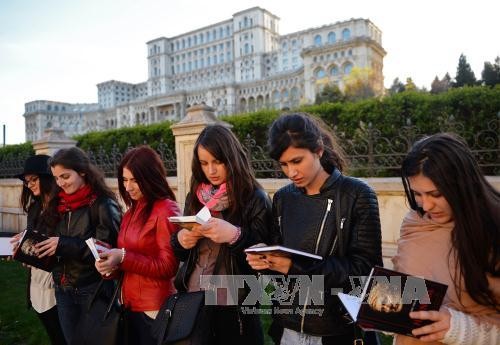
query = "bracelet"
{"x": 123, "y": 255}
{"x": 236, "y": 236}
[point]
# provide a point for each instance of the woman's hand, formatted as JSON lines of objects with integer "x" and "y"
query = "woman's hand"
{"x": 258, "y": 262}
{"x": 110, "y": 261}
{"x": 276, "y": 263}
{"x": 47, "y": 247}
{"x": 189, "y": 238}
{"x": 14, "y": 241}
{"x": 436, "y": 330}
{"x": 218, "y": 230}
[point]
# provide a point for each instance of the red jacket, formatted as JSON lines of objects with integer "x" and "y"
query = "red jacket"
{"x": 149, "y": 264}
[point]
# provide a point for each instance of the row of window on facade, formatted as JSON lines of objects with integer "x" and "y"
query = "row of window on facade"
{"x": 50, "y": 108}
{"x": 332, "y": 37}
{"x": 196, "y": 52}
{"x": 198, "y": 64}
{"x": 335, "y": 55}
{"x": 333, "y": 70}
{"x": 201, "y": 38}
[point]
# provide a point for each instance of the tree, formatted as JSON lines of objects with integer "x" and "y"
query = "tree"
{"x": 396, "y": 87}
{"x": 330, "y": 93}
{"x": 439, "y": 86}
{"x": 465, "y": 75}
{"x": 491, "y": 72}
{"x": 359, "y": 84}
{"x": 410, "y": 85}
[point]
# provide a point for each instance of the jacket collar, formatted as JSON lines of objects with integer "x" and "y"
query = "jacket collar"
{"x": 330, "y": 181}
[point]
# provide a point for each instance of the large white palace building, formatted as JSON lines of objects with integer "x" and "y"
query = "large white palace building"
{"x": 237, "y": 65}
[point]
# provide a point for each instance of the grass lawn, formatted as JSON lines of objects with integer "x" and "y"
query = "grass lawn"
{"x": 18, "y": 325}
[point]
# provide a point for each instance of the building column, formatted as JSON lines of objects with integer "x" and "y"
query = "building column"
{"x": 52, "y": 141}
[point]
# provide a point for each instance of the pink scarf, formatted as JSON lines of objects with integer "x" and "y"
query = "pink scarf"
{"x": 214, "y": 198}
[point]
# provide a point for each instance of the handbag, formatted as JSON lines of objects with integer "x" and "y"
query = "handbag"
{"x": 177, "y": 316}
{"x": 101, "y": 320}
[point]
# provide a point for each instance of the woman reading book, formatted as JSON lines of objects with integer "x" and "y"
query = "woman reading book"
{"x": 452, "y": 235}
{"x": 87, "y": 208}
{"x": 222, "y": 180}
{"x": 38, "y": 184}
{"x": 144, "y": 254}
{"x": 321, "y": 212}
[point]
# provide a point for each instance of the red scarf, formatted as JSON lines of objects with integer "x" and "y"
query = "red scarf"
{"x": 70, "y": 202}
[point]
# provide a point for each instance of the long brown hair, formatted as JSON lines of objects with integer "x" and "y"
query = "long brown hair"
{"x": 448, "y": 162}
{"x": 148, "y": 170}
{"x": 240, "y": 180}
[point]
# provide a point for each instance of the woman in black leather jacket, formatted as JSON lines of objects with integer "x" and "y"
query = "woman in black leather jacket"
{"x": 223, "y": 181}
{"x": 87, "y": 208}
{"x": 321, "y": 212}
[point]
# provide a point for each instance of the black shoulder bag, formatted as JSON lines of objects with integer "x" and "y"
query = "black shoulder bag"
{"x": 177, "y": 316}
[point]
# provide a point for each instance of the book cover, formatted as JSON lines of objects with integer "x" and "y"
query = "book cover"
{"x": 26, "y": 251}
{"x": 389, "y": 296}
{"x": 280, "y": 251}
{"x": 187, "y": 222}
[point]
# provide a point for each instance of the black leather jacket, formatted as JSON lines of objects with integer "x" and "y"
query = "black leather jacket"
{"x": 254, "y": 221}
{"x": 311, "y": 223}
{"x": 101, "y": 220}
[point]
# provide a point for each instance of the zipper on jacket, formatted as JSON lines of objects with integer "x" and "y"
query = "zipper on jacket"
{"x": 328, "y": 208}
{"x": 342, "y": 221}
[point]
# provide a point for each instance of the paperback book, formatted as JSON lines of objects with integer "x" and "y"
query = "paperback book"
{"x": 387, "y": 299}
{"x": 187, "y": 222}
{"x": 280, "y": 251}
{"x": 27, "y": 253}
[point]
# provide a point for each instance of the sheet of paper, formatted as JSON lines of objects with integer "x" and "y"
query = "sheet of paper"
{"x": 5, "y": 246}
{"x": 351, "y": 303}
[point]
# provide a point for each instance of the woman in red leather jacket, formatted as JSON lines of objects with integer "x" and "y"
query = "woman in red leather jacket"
{"x": 144, "y": 253}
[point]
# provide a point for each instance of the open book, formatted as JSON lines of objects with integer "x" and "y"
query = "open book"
{"x": 387, "y": 299}
{"x": 187, "y": 222}
{"x": 26, "y": 251}
{"x": 280, "y": 251}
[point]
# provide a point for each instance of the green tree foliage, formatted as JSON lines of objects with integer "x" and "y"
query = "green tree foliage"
{"x": 439, "y": 86}
{"x": 465, "y": 75}
{"x": 122, "y": 138}
{"x": 491, "y": 72}
{"x": 330, "y": 93}
{"x": 396, "y": 87}
{"x": 359, "y": 84}
{"x": 410, "y": 85}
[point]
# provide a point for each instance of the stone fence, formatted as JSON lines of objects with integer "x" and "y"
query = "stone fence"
{"x": 390, "y": 192}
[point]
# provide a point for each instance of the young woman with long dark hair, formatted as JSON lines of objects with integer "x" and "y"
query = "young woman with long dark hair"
{"x": 87, "y": 208}
{"x": 144, "y": 254}
{"x": 222, "y": 179}
{"x": 321, "y": 212}
{"x": 38, "y": 186}
{"x": 452, "y": 235}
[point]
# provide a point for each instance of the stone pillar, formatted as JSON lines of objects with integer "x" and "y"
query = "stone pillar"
{"x": 186, "y": 132}
{"x": 51, "y": 141}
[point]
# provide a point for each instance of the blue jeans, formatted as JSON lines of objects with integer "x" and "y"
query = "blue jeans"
{"x": 71, "y": 303}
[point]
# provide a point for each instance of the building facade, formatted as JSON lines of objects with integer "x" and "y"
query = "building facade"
{"x": 237, "y": 65}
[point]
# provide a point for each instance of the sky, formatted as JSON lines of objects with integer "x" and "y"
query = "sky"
{"x": 60, "y": 50}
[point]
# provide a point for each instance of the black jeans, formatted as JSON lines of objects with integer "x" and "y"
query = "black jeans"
{"x": 139, "y": 328}
{"x": 50, "y": 321}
